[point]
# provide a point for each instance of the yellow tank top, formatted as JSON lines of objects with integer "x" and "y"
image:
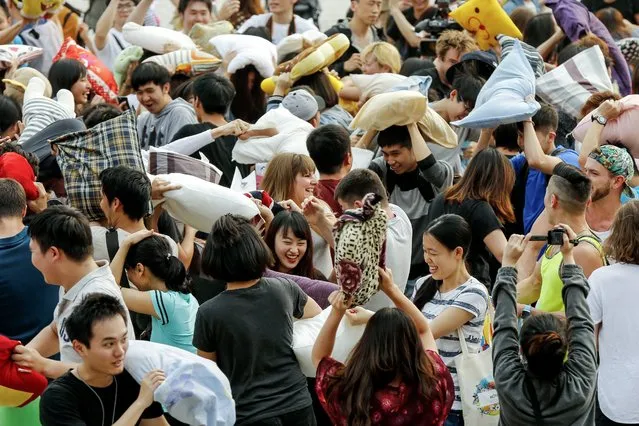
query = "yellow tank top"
{"x": 550, "y": 299}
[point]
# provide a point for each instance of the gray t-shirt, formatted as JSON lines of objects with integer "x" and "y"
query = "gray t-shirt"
{"x": 251, "y": 332}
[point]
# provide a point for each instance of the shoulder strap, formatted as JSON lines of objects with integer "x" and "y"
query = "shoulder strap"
{"x": 534, "y": 401}
{"x": 118, "y": 41}
{"x": 594, "y": 241}
{"x": 113, "y": 245}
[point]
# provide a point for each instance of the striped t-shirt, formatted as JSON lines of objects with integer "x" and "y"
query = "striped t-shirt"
{"x": 472, "y": 297}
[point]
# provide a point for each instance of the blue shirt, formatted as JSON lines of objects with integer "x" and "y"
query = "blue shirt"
{"x": 176, "y": 312}
{"x": 625, "y": 198}
{"x": 26, "y": 301}
{"x": 536, "y": 185}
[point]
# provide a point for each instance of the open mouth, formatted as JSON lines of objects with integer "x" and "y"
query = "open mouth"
{"x": 432, "y": 269}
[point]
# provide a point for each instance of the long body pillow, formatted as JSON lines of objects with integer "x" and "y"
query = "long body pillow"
{"x": 195, "y": 391}
{"x": 200, "y": 203}
{"x": 296, "y": 43}
{"x": 622, "y": 130}
{"x": 485, "y": 19}
{"x": 188, "y": 62}
{"x": 202, "y": 33}
{"x": 156, "y": 39}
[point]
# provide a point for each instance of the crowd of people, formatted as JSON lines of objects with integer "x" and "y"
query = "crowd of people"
{"x": 519, "y": 239}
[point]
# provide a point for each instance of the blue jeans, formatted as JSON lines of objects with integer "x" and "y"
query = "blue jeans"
{"x": 454, "y": 419}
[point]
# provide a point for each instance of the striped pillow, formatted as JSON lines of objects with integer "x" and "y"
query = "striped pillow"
{"x": 536, "y": 61}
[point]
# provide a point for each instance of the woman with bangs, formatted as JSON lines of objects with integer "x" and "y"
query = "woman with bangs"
{"x": 482, "y": 197}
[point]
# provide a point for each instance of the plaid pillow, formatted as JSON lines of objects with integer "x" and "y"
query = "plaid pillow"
{"x": 82, "y": 156}
{"x": 569, "y": 86}
{"x": 165, "y": 162}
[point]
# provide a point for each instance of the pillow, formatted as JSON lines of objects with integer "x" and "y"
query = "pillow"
{"x": 576, "y": 21}
{"x": 17, "y": 388}
{"x": 507, "y": 97}
{"x": 374, "y": 84}
{"x": 124, "y": 59}
{"x": 16, "y": 82}
{"x": 101, "y": 79}
{"x": 622, "y": 130}
{"x": 295, "y": 43}
{"x": 195, "y": 391}
{"x": 202, "y": 33}
{"x": 156, "y": 39}
{"x": 534, "y": 58}
{"x": 305, "y": 334}
{"x": 485, "y": 19}
{"x": 360, "y": 248}
{"x": 629, "y": 49}
{"x": 163, "y": 162}
{"x": 188, "y": 62}
{"x": 200, "y": 203}
{"x": 569, "y": 86}
{"x": 416, "y": 83}
{"x": 39, "y": 143}
{"x": 291, "y": 137}
{"x": 240, "y": 50}
{"x": 35, "y": 9}
{"x": 83, "y": 155}
{"x": 16, "y": 54}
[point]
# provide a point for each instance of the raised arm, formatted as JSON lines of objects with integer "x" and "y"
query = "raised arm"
{"x": 325, "y": 342}
{"x": 104, "y": 24}
{"x": 439, "y": 173}
{"x": 609, "y": 110}
{"x": 404, "y": 27}
{"x": 138, "y": 14}
{"x": 536, "y": 156}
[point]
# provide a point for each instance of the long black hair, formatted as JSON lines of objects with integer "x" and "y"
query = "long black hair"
{"x": 154, "y": 253}
{"x": 451, "y": 231}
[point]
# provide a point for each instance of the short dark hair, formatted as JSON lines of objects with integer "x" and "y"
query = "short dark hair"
{"x": 185, "y": 3}
{"x": 64, "y": 73}
{"x": 506, "y": 136}
{"x": 131, "y": 186}
{"x": 328, "y": 145}
{"x": 13, "y": 200}
{"x": 357, "y": 183}
{"x": 215, "y": 92}
{"x": 149, "y": 72}
{"x": 234, "y": 251}
{"x": 94, "y": 308}
{"x": 100, "y": 113}
{"x": 64, "y": 228}
{"x": 468, "y": 87}
{"x": 571, "y": 186}
{"x": 394, "y": 135}
{"x": 11, "y": 113}
{"x": 546, "y": 118}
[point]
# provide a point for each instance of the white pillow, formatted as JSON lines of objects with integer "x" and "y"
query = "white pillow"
{"x": 241, "y": 50}
{"x": 305, "y": 334}
{"x": 374, "y": 84}
{"x": 156, "y": 39}
{"x": 200, "y": 203}
{"x": 195, "y": 392}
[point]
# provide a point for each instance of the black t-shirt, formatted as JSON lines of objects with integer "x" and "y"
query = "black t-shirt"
{"x": 437, "y": 90}
{"x": 251, "y": 332}
{"x": 628, "y": 8}
{"x": 482, "y": 220}
{"x": 70, "y": 402}
{"x": 392, "y": 30}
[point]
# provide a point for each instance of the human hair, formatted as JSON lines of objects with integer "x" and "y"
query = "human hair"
{"x": 13, "y": 200}
{"x": 64, "y": 73}
{"x": 216, "y": 93}
{"x": 149, "y": 72}
{"x": 521, "y": 16}
{"x": 321, "y": 85}
{"x": 596, "y": 99}
{"x": 546, "y": 119}
{"x": 489, "y": 177}
{"x": 623, "y": 242}
{"x": 390, "y": 347}
{"x": 64, "y": 228}
{"x": 248, "y": 8}
{"x": 635, "y": 80}
{"x": 614, "y": 22}
{"x": 234, "y": 251}
{"x": 385, "y": 54}
{"x": 295, "y": 222}
{"x": 453, "y": 39}
{"x": 155, "y": 254}
{"x": 539, "y": 29}
{"x": 249, "y": 102}
{"x": 506, "y": 136}
{"x": 571, "y": 186}
{"x": 468, "y": 87}
{"x": 451, "y": 231}
{"x": 328, "y": 146}
{"x": 411, "y": 66}
{"x": 183, "y": 4}
{"x": 279, "y": 179}
{"x": 582, "y": 44}
{"x": 31, "y": 158}
{"x": 11, "y": 113}
{"x": 359, "y": 182}
{"x": 131, "y": 186}
{"x": 544, "y": 345}
{"x": 394, "y": 135}
{"x": 93, "y": 308}
{"x": 183, "y": 90}
{"x": 99, "y": 113}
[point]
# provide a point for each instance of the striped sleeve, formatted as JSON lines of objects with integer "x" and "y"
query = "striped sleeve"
{"x": 161, "y": 301}
{"x": 473, "y": 299}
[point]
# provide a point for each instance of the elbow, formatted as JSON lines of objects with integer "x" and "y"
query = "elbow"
{"x": 414, "y": 41}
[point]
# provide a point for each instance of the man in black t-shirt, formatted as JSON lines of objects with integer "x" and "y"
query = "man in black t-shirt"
{"x": 99, "y": 391}
{"x": 401, "y": 25}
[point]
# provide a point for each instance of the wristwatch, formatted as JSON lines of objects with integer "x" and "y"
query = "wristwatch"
{"x": 599, "y": 119}
{"x": 526, "y": 311}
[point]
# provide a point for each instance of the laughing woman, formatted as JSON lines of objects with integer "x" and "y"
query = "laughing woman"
{"x": 71, "y": 74}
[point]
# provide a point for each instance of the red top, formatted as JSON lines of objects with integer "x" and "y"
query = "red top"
{"x": 325, "y": 191}
{"x": 393, "y": 405}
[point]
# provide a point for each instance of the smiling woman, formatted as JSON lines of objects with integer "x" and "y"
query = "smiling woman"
{"x": 290, "y": 177}
{"x": 71, "y": 74}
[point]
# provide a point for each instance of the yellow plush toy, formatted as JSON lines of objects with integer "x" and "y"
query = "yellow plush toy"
{"x": 35, "y": 9}
{"x": 485, "y": 19}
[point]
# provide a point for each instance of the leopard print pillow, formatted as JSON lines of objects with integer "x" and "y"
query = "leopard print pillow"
{"x": 360, "y": 247}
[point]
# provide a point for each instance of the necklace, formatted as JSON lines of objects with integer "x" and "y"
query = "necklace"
{"x": 115, "y": 399}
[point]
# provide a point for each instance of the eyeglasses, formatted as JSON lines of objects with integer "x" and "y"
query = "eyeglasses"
{"x": 467, "y": 105}
{"x": 125, "y": 6}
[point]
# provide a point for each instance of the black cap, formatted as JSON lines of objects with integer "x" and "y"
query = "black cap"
{"x": 478, "y": 62}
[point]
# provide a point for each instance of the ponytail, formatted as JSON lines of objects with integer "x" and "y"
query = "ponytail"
{"x": 426, "y": 292}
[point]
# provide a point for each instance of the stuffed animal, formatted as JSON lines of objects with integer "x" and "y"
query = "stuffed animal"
{"x": 17, "y": 387}
{"x": 485, "y": 19}
{"x": 35, "y": 9}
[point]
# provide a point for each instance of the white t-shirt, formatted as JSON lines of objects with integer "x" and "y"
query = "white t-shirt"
{"x": 399, "y": 237}
{"x": 99, "y": 281}
{"x": 613, "y": 304}
{"x": 279, "y": 30}
{"x": 100, "y": 250}
{"x": 115, "y": 43}
{"x": 472, "y": 297}
{"x": 322, "y": 260}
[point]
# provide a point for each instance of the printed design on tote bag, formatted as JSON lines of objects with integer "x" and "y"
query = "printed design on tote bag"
{"x": 485, "y": 397}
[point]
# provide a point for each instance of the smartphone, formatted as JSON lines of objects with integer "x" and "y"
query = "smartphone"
{"x": 124, "y": 100}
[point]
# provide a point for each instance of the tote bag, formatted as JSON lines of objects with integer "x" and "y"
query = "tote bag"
{"x": 480, "y": 403}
